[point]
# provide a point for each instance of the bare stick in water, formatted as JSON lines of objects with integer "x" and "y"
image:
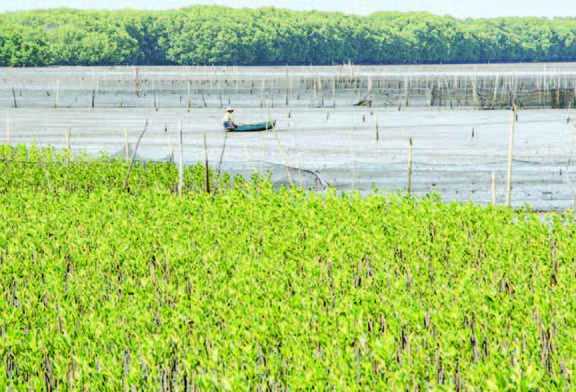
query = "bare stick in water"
{"x": 8, "y": 138}
{"x": 133, "y": 159}
{"x": 181, "y": 162}
{"x": 493, "y": 188}
{"x": 126, "y": 145}
{"x": 67, "y": 135}
{"x": 510, "y": 156}
{"x": 206, "y": 167}
{"x": 57, "y": 100}
{"x": 222, "y": 154}
{"x": 68, "y": 151}
{"x": 14, "y": 101}
{"x": 410, "y": 164}
{"x": 189, "y": 95}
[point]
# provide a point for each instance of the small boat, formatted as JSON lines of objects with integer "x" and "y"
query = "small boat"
{"x": 265, "y": 126}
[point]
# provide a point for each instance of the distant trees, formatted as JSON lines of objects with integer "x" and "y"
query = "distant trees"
{"x": 208, "y": 35}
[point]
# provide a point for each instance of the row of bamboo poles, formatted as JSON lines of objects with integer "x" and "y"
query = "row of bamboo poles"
{"x": 131, "y": 154}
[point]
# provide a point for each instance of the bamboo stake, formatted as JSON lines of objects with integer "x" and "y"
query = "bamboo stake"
{"x": 222, "y": 154}
{"x": 8, "y": 138}
{"x": 68, "y": 152}
{"x": 67, "y": 134}
{"x": 510, "y": 157}
{"x": 181, "y": 162}
{"x": 493, "y": 188}
{"x": 206, "y": 167}
{"x": 133, "y": 159}
{"x": 126, "y": 145}
{"x": 189, "y": 95}
{"x": 57, "y": 101}
{"x": 14, "y": 101}
{"x": 410, "y": 164}
{"x": 155, "y": 97}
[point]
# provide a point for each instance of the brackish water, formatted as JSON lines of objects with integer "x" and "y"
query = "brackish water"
{"x": 456, "y": 147}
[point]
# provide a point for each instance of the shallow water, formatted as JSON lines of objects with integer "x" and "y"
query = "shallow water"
{"x": 455, "y": 151}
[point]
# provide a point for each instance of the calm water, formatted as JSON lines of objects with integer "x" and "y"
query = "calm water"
{"x": 455, "y": 151}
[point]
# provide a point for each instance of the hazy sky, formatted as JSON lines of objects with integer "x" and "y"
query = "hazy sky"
{"x": 460, "y": 8}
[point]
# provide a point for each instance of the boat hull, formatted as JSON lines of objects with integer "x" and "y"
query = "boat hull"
{"x": 258, "y": 127}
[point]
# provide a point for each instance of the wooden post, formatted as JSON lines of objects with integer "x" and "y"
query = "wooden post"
{"x": 493, "y": 188}
{"x": 334, "y": 91}
{"x": 155, "y": 97}
{"x": 126, "y": 145}
{"x": 410, "y": 164}
{"x": 67, "y": 135}
{"x": 133, "y": 158}
{"x": 14, "y": 101}
{"x": 57, "y": 100}
{"x": 510, "y": 157}
{"x": 206, "y": 167}
{"x": 8, "y": 138}
{"x": 181, "y": 162}
{"x": 189, "y": 95}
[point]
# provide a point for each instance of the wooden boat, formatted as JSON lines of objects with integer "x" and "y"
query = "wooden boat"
{"x": 265, "y": 126}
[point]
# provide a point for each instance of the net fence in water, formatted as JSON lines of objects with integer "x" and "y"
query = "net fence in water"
{"x": 481, "y": 87}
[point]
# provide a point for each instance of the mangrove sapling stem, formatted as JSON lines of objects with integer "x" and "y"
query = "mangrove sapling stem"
{"x": 410, "y": 164}
{"x": 181, "y": 161}
{"x": 206, "y": 167}
{"x": 510, "y": 157}
{"x": 133, "y": 159}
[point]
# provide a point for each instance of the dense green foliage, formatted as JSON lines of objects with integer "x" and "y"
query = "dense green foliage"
{"x": 216, "y": 35}
{"x": 251, "y": 288}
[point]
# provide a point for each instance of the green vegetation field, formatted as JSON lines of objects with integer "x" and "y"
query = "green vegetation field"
{"x": 207, "y": 35}
{"x": 108, "y": 287}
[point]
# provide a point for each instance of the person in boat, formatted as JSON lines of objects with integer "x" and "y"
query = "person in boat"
{"x": 229, "y": 119}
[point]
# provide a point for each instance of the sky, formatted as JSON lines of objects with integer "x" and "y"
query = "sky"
{"x": 458, "y": 8}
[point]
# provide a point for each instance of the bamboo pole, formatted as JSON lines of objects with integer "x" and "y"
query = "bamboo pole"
{"x": 14, "y": 101}
{"x": 206, "y": 167}
{"x": 155, "y": 97}
{"x": 189, "y": 95}
{"x": 57, "y": 100}
{"x": 8, "y": 136}
{"x": 493, "y": 188}
{"x": 133, "y": 159}
{"x": 221, "y": 160}
{"x": 410, "y": 164}
{"x": 181, "y": 162}
{"x": 510, "y": 157}
{"x": 67, "y": 135}
{"x": 126, "y": 145}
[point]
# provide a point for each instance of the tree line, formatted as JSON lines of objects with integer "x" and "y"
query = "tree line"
{"x": 210, "y": 35}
